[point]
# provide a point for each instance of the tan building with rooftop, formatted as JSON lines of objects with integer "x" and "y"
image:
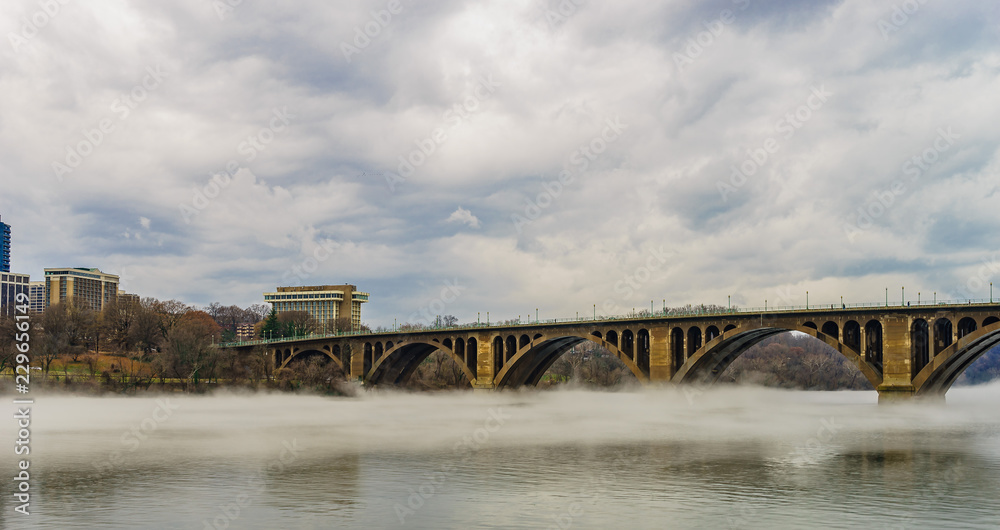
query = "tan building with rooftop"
{"x": 89, "y": 287}
{"x": 322, "y": 302}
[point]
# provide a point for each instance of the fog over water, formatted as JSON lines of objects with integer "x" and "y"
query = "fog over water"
{"x": 725, "y": 457}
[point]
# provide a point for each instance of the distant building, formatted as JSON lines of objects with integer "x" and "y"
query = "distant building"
{"x": 89, "y": 287}
{"x": 36, "y": 292}
{"x": 4, "y": 247}
{"x": 322, "y": 302}
{"x": 11, "y": 284}
{"x": 245, "y": 331}
{"x": 127, "y": 297}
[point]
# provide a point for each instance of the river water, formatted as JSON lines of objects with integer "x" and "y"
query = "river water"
{"x": 669, "y": 458}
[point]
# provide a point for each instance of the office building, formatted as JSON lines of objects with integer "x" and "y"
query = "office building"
{"x": 89, "y": 287}
{"x": 36, "y": 292}
{"x": 322, "y": 302}
{"x": 124, "y": 297}
{"x": 12, "y": 284}
{"x": 4, "y": 247}
{"x": 244, "y": 331}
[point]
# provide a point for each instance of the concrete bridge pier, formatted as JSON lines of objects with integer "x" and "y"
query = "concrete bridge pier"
{"x": 897, "y": 362}
{"x": 485, "y": 365}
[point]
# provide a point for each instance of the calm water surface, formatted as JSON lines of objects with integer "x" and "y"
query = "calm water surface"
{"x": 727, "y": 458}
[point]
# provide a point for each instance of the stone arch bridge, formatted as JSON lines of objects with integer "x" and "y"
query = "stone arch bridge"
{"x": 902, "y": 351}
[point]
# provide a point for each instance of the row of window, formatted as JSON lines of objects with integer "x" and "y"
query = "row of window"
{"x": 320, "y": 296}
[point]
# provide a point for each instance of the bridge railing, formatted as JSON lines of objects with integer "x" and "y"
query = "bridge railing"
{"x": 640, "y": 315}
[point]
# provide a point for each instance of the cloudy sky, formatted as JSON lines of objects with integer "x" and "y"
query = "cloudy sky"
{"x": 535, "y": 153}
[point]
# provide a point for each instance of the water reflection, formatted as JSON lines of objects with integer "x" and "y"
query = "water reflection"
{"x": 732, "y": 458}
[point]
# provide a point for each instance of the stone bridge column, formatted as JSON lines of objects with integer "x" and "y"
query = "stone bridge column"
{"x": 484, "y": 362}
{"x": 897, "y": 374}
{"x": 660, "y": 369}
{"x": 357, "y": 362}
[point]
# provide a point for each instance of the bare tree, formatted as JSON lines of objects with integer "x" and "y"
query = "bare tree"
{"x": 256, "y": 313}
{"x": 298, "y": 323}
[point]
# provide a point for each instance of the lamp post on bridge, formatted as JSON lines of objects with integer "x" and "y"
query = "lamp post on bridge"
{"x": 842, "y": 302}
{"x": 887, "y": 297}
{"x": 903, "y": 294}
{"x": 730, "y": 298}
{"x": 991, "y": 292}
{"x": 807, "y": 300}
{"x": 595, "y": 312}
{"x": 536, "y": 315}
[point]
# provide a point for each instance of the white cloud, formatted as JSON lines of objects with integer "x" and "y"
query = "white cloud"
{"x": 322, "y": 176}
{"x": 461, "y": 215}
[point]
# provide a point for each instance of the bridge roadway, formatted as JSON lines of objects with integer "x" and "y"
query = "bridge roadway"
{"x": 903, "y": 351}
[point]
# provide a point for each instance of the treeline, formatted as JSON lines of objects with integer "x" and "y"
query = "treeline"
{"x": 135, "y": 343}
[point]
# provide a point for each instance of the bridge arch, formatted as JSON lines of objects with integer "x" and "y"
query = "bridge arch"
{"x": 966, "y": 326}
{"x": 532, "y": 361}
{"x": 694, "y": 340}
{"x": 612, "y": 338}
{"x": 874, "y": 343}
{"x": 711, "y": 360}
{"x": 944, "y": 369}
{"x": 399, "y": 362}
{"x": 291, "y": 353}
{"x": 852, "y": 335}
{"x": 831, "y": 329}
{"x": 628, "y": 344}
{"x": 677, "y": 345}
{"x": 943, "y": 336}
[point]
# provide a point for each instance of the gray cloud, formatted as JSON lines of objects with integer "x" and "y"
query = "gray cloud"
{"x": 285, "y": 188}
